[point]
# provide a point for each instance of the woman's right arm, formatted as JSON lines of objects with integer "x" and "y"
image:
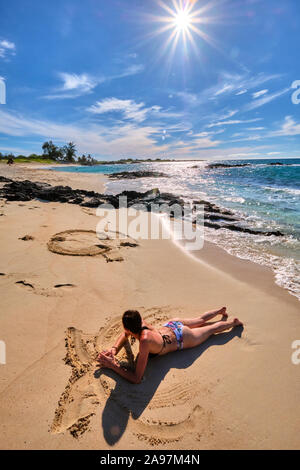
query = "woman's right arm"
{"x": 119, "y": 343}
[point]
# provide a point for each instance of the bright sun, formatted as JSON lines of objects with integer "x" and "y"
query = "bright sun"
{"x": 182, "y": 20}
{"x": 186, "y": 24}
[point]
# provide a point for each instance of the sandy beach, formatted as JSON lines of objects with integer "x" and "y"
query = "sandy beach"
{"x": 239, "y": 390}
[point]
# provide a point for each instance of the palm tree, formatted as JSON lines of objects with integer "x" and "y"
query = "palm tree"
{"x": 69, "y": 152}
{"x": 51, "y": 151}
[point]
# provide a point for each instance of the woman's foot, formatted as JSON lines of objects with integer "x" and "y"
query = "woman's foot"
{"x": 224, "y": 314}
{"x": 237, "y": 322}
{"x": 214, "y": 313}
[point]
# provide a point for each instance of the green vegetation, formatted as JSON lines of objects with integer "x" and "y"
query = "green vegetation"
{"x": 52, "y": 153}
{"x": 67, "y": 154}
{"x": 87, "y": 161}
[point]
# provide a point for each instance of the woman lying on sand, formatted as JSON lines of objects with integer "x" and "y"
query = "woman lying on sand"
{"x": 174, "y": 335}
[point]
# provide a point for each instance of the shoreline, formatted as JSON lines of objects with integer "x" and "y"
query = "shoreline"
{"x": 225, "y": 394}
{"x": 21, "y": 171}
{"x": 98, "y": 182}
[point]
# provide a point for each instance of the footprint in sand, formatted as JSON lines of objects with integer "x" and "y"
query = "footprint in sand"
{"x": 26, "y": 238}
{"x": 155, "y": 410}
{"x": 89, "y": 211}
{"x": 110, "y": 245}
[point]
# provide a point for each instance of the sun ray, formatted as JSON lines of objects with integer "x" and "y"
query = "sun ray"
{"x": 182, "y": 25}
{"x": 206, "y": 37}
{"x": 183, "y": 16}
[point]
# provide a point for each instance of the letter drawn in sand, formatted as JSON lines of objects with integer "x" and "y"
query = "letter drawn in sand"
{"x": 2, "y": 353}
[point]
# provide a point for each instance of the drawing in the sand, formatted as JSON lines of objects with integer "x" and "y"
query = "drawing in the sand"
{"x": 148, "y": 409}
{"x": 174, "y": 335}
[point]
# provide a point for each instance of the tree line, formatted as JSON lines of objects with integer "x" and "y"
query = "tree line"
{"x": 65, "y": 154}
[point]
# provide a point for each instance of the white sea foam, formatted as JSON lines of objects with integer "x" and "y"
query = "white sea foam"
{"x": 254, "y": 248}
{"x": 241, "y": 200}
{"x": 295, "y": 192}
{"x": 261, "y": 207}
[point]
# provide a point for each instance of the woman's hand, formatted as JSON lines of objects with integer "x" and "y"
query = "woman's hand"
{"x": 110, "y": 352}
{"x": 106, "y": 359}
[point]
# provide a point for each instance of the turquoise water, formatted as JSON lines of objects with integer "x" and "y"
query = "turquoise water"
{"x": 265, "y": 196}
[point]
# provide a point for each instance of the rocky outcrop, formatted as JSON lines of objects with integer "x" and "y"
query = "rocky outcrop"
{"x": 214, "y": 216}
{"x": 3, "y": 179}
{"x": 136, "y": 174}
{"x": 227, "y": 165}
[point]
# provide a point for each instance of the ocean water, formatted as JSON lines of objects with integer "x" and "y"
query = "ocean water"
{"x": 265, "y": 196}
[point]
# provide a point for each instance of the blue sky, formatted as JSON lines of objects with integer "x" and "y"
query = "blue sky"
{"x": 121, "y": 80}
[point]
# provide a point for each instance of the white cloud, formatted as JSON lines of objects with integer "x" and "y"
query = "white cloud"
{"x": 77, "y": 82}
{"x": 192, "y": 99}
{"x": 131, "y": 70}
{"x": 289, "y": 127}
{"x": 228, "y": 83}
{"x": 266, "y": 99}
{"x": 232, "y": 122}
{"x": 6, "y": 47}
{"x": 241, "y": 92}
{"x": 228, "y": 115}
{"x": 252, "y": 138}
{"x": 259, "y": 93}
{"x": 205, "y": 142}
{"x": 224, "y": 89}
{"x": 249, "y": 154}
{"x": 240, "y": 83}
{"x": 129, "y": 108}
{"x": 75, "y": 85}
{"x": 110, "y": 142}
{"x": 222, "y": 117}
{"x": 238, "y": 134}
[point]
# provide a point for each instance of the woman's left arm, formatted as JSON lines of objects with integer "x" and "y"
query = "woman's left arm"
{"x": 133, "y": 377}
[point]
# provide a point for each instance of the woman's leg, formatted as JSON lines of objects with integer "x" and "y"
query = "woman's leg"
{"x": 194, "y": 337}
{"x": 201, "y": 321}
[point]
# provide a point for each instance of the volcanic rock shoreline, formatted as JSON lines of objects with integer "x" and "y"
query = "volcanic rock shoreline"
{"x": 214, "y": 216}
{"x": 136, "y": 174}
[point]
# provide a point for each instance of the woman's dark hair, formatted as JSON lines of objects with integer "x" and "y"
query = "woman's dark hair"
{"x": 132, "y": 321}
